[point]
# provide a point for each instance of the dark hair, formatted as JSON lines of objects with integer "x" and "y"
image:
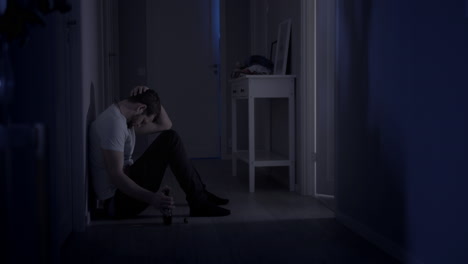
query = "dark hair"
{"x": 149, "y": 98}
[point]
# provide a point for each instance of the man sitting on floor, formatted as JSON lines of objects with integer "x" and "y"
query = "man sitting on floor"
{"x": 126, "y": 187}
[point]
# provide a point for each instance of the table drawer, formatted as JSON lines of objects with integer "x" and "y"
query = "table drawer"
{"x": 240, "y": 89}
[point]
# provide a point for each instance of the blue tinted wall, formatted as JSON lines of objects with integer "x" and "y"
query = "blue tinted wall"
{"x": 402, "y": 123}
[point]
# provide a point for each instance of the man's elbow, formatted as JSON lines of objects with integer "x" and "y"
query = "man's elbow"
{"x": 166, "y": 126}
{"x": 169, "y": 125}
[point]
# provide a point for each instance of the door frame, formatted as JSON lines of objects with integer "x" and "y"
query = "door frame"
{"x": 225, "y": 154}
{"x": 307, "y": 103}
{"x": 329, "y": 95}
{"x": 308, "y": 106}
{"x": 308, "y": 99}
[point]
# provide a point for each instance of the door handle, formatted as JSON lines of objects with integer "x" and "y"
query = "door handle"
{"x": 214, "y": 67}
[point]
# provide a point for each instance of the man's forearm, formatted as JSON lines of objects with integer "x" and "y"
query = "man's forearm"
{"x": 130, "y": 188}
{"x": 162, "y": 123}
{"x": 163, "y": 119}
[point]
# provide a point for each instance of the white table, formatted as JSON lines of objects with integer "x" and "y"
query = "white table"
{"x": 249, "y": 88}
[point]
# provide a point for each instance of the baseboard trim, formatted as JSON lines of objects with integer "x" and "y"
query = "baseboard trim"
{"x": 88, "y": 218}
{"x": 380, "y": 241}
{"x": 324, "y": 196}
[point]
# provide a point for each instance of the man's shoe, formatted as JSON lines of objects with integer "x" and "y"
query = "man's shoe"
{"x": 209, "y": 210}
{"x": 215, "y": 199}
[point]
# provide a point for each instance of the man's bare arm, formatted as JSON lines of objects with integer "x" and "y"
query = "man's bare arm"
{"x": 162, "y": 123}
{"x": 114, "y": 166}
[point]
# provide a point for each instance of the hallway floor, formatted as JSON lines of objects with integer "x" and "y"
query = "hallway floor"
{"x": 271, "y": 225}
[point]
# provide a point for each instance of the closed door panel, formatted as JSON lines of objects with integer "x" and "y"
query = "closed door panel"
{"x": 182, "y": 68}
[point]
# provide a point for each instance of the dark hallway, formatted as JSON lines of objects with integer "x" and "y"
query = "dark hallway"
{"x": 400, "y": 115}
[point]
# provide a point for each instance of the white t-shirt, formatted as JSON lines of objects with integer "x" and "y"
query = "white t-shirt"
{"x": 110, "y": 132}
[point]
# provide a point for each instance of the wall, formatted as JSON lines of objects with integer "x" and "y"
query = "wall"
{"x": 259, "y": 44}
{"x": 90, "y": 100}
{"x": 132, "y": 44}
{"x": 237, "y": 49}
{"x": 91, "y": 42}
{"x": 402, "y": 146}
{"x": 132, "y": 53}
{"x": 237, "y": 33}
{"x": 273, "y": 12}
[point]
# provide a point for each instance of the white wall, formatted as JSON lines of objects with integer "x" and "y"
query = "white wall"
{"x": 132, "y": 45}
{"x": 402, "y": 132}
{"x": 91, "y": 55}
{"x": 259, "y": 44}
{"x": 132, "y": 53}
{"x": 90, "y": 98}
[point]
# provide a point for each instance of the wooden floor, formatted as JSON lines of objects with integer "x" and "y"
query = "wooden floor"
{"x": 271, "y": 225}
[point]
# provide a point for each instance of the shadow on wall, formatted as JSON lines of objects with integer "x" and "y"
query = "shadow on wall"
{"x": 90, "y": 117}
{"x": 370, "y": 147}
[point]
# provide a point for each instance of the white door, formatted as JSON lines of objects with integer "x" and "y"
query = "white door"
{"x": 183, "y": 66}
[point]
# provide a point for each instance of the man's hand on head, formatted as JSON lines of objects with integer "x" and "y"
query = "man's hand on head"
{"x": 138, "y": 90}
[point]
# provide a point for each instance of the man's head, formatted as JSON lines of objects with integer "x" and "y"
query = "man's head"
{"x": 147, "y": 108}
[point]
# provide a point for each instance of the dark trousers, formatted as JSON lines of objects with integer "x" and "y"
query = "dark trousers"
{"x": 148, "y": 171}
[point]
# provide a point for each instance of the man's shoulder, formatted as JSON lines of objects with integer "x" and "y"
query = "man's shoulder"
{"x": 108, "y": 119}
{"x": 108, "y": 115}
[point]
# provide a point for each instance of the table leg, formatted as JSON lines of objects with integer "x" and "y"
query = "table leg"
{"x": 292, "y": 142}
{"x": 252, "y": 144}
{"x": 234, "y": 135}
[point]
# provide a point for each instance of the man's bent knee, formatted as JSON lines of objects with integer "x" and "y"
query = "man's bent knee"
{"x": 170, "y": 135}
